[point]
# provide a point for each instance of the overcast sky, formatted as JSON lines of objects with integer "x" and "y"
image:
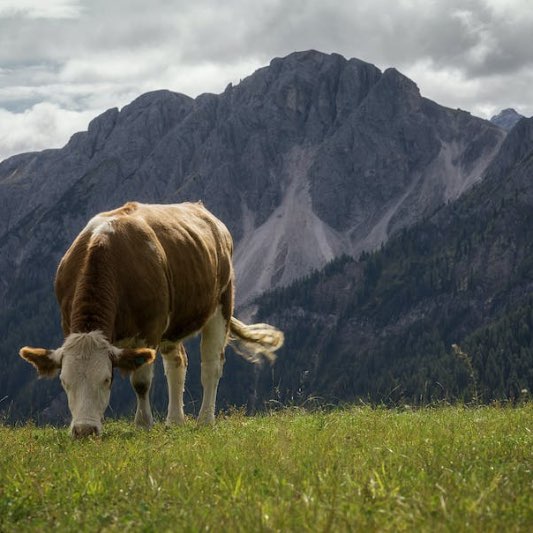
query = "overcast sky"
{"x": 62, "y": 62}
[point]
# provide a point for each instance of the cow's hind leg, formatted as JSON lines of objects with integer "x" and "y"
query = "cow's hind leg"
{"x": 141, "y": 381}
{"x": 214, "y": 335}
{"x": 175, "y": 363}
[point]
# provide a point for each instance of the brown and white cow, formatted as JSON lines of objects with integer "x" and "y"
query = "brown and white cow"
{"x": 138, "y": 279}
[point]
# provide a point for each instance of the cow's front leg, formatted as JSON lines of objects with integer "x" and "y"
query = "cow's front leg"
{"x": 141, "y": 381}
{"x": 175, "y": 364}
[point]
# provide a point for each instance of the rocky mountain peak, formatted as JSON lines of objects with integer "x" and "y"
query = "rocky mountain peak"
{"x": 397, "y": 80}
{"x": 506, "y": 118}
{"x": 516, "y": 148}
{"x": 309, "y": 82}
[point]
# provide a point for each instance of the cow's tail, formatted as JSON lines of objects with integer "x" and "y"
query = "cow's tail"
{"x": 255, "y": 341}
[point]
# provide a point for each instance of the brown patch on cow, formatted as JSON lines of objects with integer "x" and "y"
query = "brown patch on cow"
{"x": 131, "y": 359}
{"x": 41, "y": 360}
{"x": 226, "y": 302}
{"x": 94, "y": 297}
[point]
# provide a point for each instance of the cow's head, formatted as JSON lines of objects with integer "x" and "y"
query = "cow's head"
{"x": 85, "y": 365}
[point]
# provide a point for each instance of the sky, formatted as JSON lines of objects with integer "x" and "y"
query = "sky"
{"x": 63, "y": 62}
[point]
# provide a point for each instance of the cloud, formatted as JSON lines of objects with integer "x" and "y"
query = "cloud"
{"x": 37, "y": 9}
{"x": 82, "y": 55}
{"x": 62, "y": 110}
{"x": 452, "y": 88}
{"x": 43, "y": 126}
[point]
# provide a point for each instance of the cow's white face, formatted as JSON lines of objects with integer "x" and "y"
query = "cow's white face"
{"x": 85, "y": 363}
{"x": 87, "y": 382}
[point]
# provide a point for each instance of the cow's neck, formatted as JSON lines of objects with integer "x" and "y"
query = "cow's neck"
{"x": 94, "y": 305}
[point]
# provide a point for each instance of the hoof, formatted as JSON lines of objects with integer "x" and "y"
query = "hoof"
{"x": 144, "y": 421}
{"x": 206, "y": 419}
{"x": 174, "y": 421}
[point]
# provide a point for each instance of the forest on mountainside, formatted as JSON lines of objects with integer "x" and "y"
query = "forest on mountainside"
{"x": 381, "y": 329}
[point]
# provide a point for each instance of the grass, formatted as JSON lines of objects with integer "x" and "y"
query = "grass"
{"x": 358, "y": 469}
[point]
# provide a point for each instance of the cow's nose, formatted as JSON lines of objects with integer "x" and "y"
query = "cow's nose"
{"x": 83, "y": 430}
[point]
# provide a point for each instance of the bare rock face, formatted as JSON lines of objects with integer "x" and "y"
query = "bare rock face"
{"x": 307, "y": 159}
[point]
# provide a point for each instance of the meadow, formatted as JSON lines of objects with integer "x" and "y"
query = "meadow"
{"x": 351, "y": 469}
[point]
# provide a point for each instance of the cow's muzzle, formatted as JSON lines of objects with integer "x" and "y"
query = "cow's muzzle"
{"x": 79, "y": 431}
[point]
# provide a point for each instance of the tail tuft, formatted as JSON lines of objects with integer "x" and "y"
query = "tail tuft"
{"x": 255, "y": 341}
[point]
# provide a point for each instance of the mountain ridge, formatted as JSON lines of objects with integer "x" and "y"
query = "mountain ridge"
{"x": 307, "y": 159}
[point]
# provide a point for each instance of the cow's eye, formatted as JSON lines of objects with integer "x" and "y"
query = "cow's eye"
{"x": 107, "y": 382}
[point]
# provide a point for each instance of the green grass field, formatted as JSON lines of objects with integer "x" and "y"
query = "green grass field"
{"x": 356, "y": 469}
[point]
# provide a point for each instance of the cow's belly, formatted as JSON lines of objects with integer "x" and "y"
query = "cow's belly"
{"x": 185, "y": 322}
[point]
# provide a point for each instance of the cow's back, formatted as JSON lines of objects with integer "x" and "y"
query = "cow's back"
{"x": 168, "y": 265}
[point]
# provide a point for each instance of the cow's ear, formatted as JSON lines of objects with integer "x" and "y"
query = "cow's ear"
{"x": 46, "y": 362}
{"x": 131, "y": 359}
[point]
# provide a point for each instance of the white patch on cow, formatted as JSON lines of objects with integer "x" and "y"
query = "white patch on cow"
{"x": 214, "y": 337}
{"x": 100, "y": 225}
{"x": 153, "y": 246}
{"x": 86, "y": 373}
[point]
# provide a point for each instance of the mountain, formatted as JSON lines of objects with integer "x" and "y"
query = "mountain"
{"x": 333, "y": 147}
{"x": 382, "y": 328}
{"x": 308, "y": 159}
{"x": 506, "y": 118}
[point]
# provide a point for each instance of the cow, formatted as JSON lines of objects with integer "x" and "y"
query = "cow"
{"x": 137, "y": 280}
